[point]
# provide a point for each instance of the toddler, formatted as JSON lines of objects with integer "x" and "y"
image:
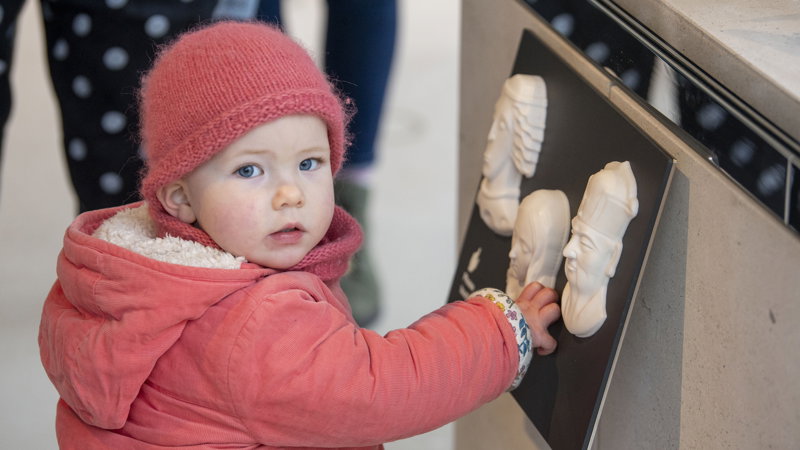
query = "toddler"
{"x": 210, "y": 314}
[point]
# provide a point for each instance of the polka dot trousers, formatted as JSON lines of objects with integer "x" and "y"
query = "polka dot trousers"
{"x": 97, "y": 51}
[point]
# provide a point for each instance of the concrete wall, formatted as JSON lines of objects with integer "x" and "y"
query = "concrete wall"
{"x": 710, "y": 358}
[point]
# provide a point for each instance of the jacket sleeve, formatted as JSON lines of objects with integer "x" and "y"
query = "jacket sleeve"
{"x": 301, "y": 374}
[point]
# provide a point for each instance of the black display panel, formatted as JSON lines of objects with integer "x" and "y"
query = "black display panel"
{"x": 562, "y": 393}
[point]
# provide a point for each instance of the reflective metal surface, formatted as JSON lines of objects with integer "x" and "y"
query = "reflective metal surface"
{"x": 740, "y": 141}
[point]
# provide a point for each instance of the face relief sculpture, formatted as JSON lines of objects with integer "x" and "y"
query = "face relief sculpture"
{"x": 540, "y": 232}
{"x": 512, "y": 150}
{"x": 609, "y": 203}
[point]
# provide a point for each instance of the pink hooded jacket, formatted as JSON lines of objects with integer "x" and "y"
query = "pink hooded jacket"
{"x": 148, "y": 354}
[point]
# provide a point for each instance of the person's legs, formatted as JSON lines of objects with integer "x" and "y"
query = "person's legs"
{"x": 359, "y": 49}
{"x": 360, "y": 41}
{"x": 97, "y": 51}
{"x": 9, "y": 10}
{"x": 270, "y": 11}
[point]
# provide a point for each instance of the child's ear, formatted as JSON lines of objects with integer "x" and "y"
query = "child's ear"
{"x": 175, "y": 201}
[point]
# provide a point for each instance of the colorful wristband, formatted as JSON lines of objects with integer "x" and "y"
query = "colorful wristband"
{"x": 521, "y": 331}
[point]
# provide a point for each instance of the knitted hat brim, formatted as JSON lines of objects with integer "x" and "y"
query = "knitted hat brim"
{"x": 206, "y": 142}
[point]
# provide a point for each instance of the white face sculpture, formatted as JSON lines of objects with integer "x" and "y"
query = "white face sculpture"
{"x": 512, "y": 149}
{"x": 609, "y": 203}
{"x": 497, "y": 155}
{"x": 540, "y": 233}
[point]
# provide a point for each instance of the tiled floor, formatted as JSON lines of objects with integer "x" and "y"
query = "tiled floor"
{"x": 413, "y": 216}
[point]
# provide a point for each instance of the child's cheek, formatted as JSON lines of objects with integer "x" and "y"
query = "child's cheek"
{"x": 230, "y": 219}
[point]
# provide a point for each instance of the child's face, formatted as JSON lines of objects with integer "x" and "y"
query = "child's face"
{"x": 269, "y": 195}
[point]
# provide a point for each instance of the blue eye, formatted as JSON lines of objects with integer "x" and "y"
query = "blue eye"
{"x": 309, "y": 164}
{"x": 249, "y": 171}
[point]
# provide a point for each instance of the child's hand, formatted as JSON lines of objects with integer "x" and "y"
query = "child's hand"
{"x": 539, "y": 307}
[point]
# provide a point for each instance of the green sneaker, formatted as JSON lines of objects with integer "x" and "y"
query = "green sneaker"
{"x": 360, "y": 283}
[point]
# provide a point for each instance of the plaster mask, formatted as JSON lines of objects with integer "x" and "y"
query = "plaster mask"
{"x": 512, "y": 149}
{"x": 540, "y": 232}
{"x": 592, "y": 253}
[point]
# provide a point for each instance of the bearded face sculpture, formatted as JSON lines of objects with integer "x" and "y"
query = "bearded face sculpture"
{"x": 609, "y": 204}
{"x": 512, "y": 149}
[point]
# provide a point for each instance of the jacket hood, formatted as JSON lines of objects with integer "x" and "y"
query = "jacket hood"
{"x": 121, "y": 302}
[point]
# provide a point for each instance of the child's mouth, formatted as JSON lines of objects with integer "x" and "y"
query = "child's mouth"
{"x": 289, "y": 234}
{"x": 290, "y": 227}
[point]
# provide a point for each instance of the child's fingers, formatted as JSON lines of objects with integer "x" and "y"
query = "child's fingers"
{"x": 537, "y": 294}
{"x": 547, "y": 344}
{"x": 540, "y": 306}
{"x": 530, "y": 291}
{"x": 545, "y": 297}
{"x": 549, "y": 313}
{"x": 542, "y": 339}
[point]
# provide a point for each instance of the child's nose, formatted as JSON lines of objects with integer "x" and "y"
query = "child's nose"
{"x": 287, "y": 196}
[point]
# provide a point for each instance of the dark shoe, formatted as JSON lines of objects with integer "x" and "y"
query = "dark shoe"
{"x": 360, "y": 283}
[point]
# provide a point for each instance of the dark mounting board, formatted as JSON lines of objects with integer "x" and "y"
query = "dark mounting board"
{"x": 562, "y": 393}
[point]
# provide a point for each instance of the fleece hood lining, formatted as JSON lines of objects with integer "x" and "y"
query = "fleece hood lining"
{"x": 134, "y": 230}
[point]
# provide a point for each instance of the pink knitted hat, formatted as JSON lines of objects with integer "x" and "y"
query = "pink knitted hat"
{"x": 212, "y": 86}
